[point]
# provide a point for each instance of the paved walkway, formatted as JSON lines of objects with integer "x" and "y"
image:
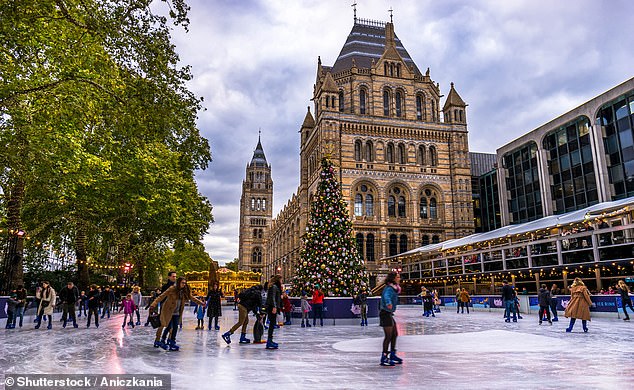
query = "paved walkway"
{"x": 451, "y": 351}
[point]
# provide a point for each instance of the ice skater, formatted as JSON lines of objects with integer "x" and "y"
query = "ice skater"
{"x": 214, "y": 307}
{"x": 579, "y": 305}
{"x": 389, "y": 301}
{"x": 287, "y": 308}
{"x": 428, "y": 305}
{"x": 306, "y": 309}
{"x": 21, "y": 296}
{"x": 137, "y": 298}
{"x": 465, "y": 298}
{"x": 83, "y": 304}
{"x": 128, "y": 310}
{"x": 554, "y": 291}
{"x": 625, "y": 298}
{"x": 46, "y": 296}
{"x": 318, "y": 305}
{"x": 436, "y": 301}
{"x": 94, "y": 302}
{"x": 173, "y": 299}
{"x": 508, "y": 296}
{"x": 248, "y": 300}
{"x": 362, "y": 300}
{"x": 12, "y": 304}
{"x": 200, "y": 316}
{"x": 458, "y": 291}
{"x": 273, "y": 306}
{"x": 69, "y": 296}
{"x": 544, "y": 304}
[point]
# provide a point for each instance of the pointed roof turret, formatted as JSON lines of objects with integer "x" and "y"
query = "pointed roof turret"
{"x": 453, "y": 99}
{"x": 259, "y": 159}
{"x": 309, "y": 121}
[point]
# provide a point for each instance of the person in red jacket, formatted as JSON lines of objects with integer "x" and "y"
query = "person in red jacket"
{"x": 318, "y": 305}
{"x": 287, "y": 308}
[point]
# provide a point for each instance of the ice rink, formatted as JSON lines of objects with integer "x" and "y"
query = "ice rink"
{"x": 451, "y": 351}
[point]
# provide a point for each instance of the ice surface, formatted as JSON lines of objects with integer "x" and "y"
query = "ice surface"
{"x": 475, "y": 351}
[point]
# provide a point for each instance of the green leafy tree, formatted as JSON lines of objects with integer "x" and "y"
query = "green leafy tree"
{"x": 329, "y": 257}
{"x": 97, "y": 127}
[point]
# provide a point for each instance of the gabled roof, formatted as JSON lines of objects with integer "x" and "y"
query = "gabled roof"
{"x": 329, "y": 84}
{"x": 453, "y": 99}
{"x": 366, "y": 42}
{"x": 259, "y": 159}
{"x": 309, "y": 121}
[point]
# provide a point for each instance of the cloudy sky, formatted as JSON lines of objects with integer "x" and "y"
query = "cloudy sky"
{"x": 516, "y": 63}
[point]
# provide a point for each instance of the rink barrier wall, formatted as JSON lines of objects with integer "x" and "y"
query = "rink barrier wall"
{"x": 602, "y": 305}
{"x": 339, "y": 309}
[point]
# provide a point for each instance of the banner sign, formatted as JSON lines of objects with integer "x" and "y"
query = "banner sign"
{"x": 338, "y": 307}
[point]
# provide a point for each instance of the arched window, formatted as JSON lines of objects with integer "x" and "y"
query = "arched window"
{"x": 386, "y": 103}
{"x": 357, "y": 150}
{"x": 392, "y": 69}
{"x": 389, "y": 156}
{"x": 263, "y": 204}
{"x": 425, "y": 240}
{"x": 402, "y": 156}
{"x": 252, "y": 203}
{"x": 259, "y": 233}
{"x": 421, "y": 155}
{"x": 360, "y": 244}
{"x": 258, "y": 203}
{"x": 362, "y": 98}
{"x": 434, "y": 113}
{"x": 433, "y": 156}
{"x": 433, "y": 212}
{"x": 398, "y": 70}
{"x": 255, "y": 233}
{"x": 399, "y": 102}
{"x": 435, "y": 240}
{"x": 401, "y": 206}
{"x": 403, "y": 244}
{"x": 419, "y": 107}
{"x": 423, "y": 207}
{"x": 256, "y": 256}
{"x": 369, "y": 151}
{"x": 369, "y": 247}
{"x": 327, "y": 101}
{"x": 358, "y": 205}
{"x": 393, "y": 250}
{"x": 369, "y": 205}
{"x": 391, "y": 206}
{"x": 340, "y": 101}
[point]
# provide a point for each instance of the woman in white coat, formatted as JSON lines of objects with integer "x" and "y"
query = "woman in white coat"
{"x": 47, "y": 296}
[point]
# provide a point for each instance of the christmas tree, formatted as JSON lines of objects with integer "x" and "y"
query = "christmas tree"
{"x": 329, "y": 257}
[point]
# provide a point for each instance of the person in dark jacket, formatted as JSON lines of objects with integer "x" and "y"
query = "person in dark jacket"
{"x": 544, "y": 304}
{"x": 83, "y": 304}
{"x": 94, "y": 302}
{"x": 508, "y": 296}
{"x": 362, "y": 300}
{"x": 248, "y": 300}
{"x": 554, "y": 291}
{"x": 273, "y": 306}
{"x": 626, "y": 301}
{"x": 214, "y": 306}
{"x": 20, "y": 293}
{"x": 171, "y": 280}
{"x": 12, "y": 303}
{"x": 153, "y": 296}
{"x": 69, "y": 296}
{"x": 107, "y": 297}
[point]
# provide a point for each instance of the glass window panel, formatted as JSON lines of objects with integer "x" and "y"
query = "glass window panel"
{"x": 628, "y": 153}
{"x": 575, "y": 157}
{"x": 564, "y": 163}
{"x": 629, "y": 170}
{"x": 586, "y": 153}
{"x": 358, "y": 205}
{"x": 616, "y": 173}
{"x": 623, "y": 124}
{"x": 592, "y": 196}
{"x": 590, "y": 181}
{"x": 369, "y": 205}
{"x": 621, "y": 110}
{"x": 561, "y": 138}
{"x": 584, "y": 128}
{"x": 610, "y": 129}
{"x": 631, "y": 99}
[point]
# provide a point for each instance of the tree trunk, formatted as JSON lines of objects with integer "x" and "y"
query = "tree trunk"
{"x": 83, "y": 275}
{"x": 13, "y": 264}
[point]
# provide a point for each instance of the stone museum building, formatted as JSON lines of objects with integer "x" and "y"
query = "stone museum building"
{"x": 401, "y": 155}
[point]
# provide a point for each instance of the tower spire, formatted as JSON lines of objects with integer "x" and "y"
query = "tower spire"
{"x": 354, "y": 7}
{"x": 391, "y": 14}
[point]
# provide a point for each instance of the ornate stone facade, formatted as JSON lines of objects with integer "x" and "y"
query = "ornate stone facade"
{"x": 404, "y": 172}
